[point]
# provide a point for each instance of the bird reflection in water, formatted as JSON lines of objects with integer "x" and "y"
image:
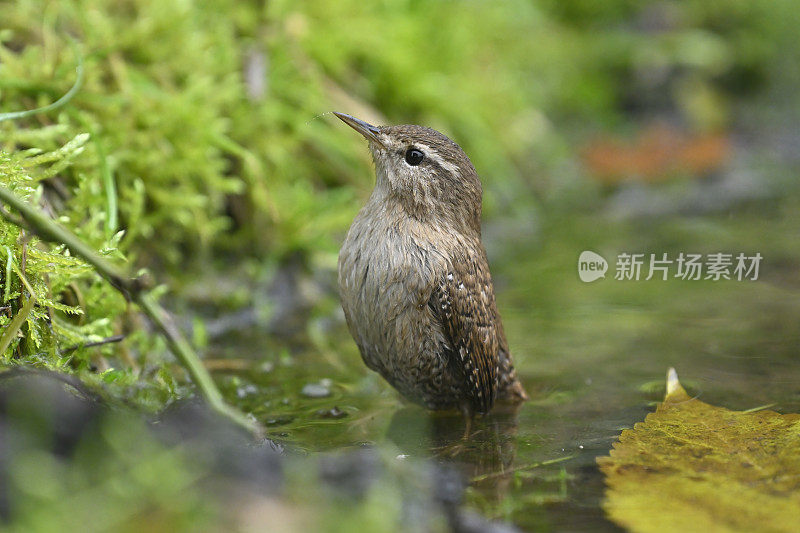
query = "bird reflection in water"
{"x": 486, "y": 457}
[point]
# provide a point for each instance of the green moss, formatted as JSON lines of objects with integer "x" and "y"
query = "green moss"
{"x": 208, "y": 142}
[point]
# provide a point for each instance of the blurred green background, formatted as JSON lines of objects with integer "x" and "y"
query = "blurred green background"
{"x": 213, "y": 161}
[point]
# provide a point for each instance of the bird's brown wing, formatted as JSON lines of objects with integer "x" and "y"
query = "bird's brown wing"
{"x": 463, "y": 302}
{"x": 509, "y": 388}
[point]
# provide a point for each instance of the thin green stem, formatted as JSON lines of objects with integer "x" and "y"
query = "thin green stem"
{"x": 11, "y": 330}
{"x": 109, "y": 185}
{"x": 16, "y": 323}
{"x": 58, "y": 103}
{"x": 135, "y": 290}
{"x": 181, "y": 348}
{"x": 48, "y": 230}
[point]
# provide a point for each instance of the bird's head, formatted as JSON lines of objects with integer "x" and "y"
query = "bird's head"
{"x": 427, "y": 173}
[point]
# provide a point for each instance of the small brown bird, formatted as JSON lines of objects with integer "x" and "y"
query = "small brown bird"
{"x": 414, "y": 279}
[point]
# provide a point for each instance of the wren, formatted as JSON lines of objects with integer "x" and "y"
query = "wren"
{"x": 414, "y": 279}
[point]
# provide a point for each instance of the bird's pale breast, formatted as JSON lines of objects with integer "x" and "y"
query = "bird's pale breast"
{"x": 388, "y": 270}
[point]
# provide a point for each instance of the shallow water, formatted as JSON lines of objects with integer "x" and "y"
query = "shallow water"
{"x": 593, "y": 357}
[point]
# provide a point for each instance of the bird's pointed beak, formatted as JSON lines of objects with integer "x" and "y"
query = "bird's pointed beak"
{"x": 367, "y": 130}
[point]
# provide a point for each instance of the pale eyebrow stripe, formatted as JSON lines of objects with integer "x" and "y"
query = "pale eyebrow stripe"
{"x": 430, "y": 152}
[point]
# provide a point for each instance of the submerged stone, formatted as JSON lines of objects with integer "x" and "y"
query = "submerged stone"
{"x": 316, "y": 390}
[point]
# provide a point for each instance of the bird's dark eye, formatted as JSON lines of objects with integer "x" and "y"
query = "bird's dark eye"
{"x": 414, "y": 157}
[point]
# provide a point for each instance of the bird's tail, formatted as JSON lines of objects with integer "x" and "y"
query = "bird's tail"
{"x": 510, "y": 389}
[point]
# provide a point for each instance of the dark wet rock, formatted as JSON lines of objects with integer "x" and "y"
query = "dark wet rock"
{"x": 49, "y": 412}
{"x": 433, "y": 491}
{"x": 246, "y": 390}
{"x": 64, "y": 407}
{"x": 230, "y": 323}
{"x": 292, "y": 294}
{"x": 41, "y": 409}
{"x": 279, "y": 420}
{"x": 56, "y": 413}
{"x": 230, "y": 451}
{"x": 442, "y": 497}
{"x": 316, "y": 390}
{"x": 333, "y": 412}
{"x": 448, "y": 485}
{"x": 351, "y": 473}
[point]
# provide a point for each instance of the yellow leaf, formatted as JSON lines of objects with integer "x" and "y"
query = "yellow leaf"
{"x": 691, "y": 466}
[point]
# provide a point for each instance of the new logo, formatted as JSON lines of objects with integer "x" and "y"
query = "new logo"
{"x": 591, "y": 266}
